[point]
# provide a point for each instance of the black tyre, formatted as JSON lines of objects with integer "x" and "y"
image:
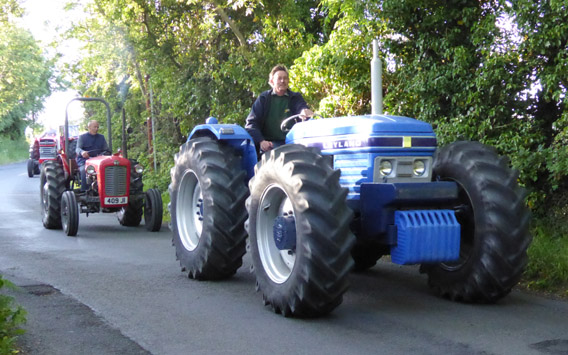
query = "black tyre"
{"x": 69, "y": 213}
{"x": 131, "y": 215}
{"x": 299, "y": 232}
{"x": 52, "y": 186}
{"x": 208, "y": 194}
{"x": 153, "y": 210}
{"x": 31, "y": 169}
{"x": 494, "y": 225}
{"x": 36, "y": 167}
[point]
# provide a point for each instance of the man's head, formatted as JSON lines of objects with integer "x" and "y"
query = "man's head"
{"x": 93, "y": 127}
{"x": 278, "y": 79}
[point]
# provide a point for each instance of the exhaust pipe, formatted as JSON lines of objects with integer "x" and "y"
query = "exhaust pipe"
{"x": 376, "y": 81}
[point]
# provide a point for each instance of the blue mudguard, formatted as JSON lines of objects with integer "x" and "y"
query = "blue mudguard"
{"x": 233, "y": 135}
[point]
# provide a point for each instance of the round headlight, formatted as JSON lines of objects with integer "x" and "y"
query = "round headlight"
{"x": 139, "y": 169}
{"x": 90, "y": 169}
{"x": 419, "y": 168}
{"x": 385, "y": 168}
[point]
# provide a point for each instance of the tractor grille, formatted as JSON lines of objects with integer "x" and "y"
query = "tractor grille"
{"x": 354, "y": 171}
{"x": 47, "y": 152}
{"x": 115, "y": 180}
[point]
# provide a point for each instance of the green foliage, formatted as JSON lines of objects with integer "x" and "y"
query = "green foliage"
{"x": 11, "y": 317}
{"x": 334, "y": 75}
{"x": 24, "y": 75}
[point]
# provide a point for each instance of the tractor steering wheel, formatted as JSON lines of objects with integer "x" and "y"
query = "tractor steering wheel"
{"x": 294, "y": 119}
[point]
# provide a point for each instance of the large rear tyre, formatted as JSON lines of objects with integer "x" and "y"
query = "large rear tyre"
{"x": 494, "y": 225}
{"x": 69, "y": 213}
{"x": 31, "y": 168}
{"x": 153, "y": 210}
{"x": 299, "y": 232}
{"x": 208, "y": 194}
{"x": 52, "y": 186}
{"x": 131, "y": 215}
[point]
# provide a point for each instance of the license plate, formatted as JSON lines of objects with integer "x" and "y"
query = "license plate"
{"x": 116, "y": 200}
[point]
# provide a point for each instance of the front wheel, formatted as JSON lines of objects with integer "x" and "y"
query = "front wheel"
{"x": 299, "y": 232}
{"x": 69, "y": 213}
{"x": 208, "y": 193}
{"x": 131, "y": 215}
{"x": 153, "y": 210}
{"x": 494, "y": 225}
{"x": 31, "y": 168}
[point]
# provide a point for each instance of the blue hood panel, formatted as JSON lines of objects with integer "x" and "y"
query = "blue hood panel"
{"x": 369, "y": 125}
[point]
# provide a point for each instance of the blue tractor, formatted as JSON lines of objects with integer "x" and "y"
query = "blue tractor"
{"x": 341, "y": 193}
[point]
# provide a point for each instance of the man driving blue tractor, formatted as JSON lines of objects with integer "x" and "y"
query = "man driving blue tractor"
{"x": 271, "y": 108}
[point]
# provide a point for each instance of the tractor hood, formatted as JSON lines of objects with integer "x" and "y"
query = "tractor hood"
{"x": 359, "y": 125}
{"x": 370, "y": 131}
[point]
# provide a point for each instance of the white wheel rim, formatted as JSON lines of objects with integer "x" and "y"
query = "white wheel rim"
{"x": 189, "y": 210}
{"x": 278, "y": 264}
{"x": 45, "y": 197}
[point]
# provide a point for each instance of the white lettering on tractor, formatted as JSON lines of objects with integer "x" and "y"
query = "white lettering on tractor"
{"x": 353, "y": 143}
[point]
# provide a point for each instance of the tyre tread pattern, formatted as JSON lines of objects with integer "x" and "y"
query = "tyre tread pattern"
{"x": 223, "y": 238}
{"x": 318, "y": 284}
{"x": 53, "y": 174}
{"x": 501, "y": 236}
{"x": 131, "y": 215}
{"x": 153, "y": 220}
{"x": 68, "y": 198}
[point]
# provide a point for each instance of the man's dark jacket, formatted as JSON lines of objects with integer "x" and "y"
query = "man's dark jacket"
{"x": 261, "y": 107}
{"x": 94, "y": 144}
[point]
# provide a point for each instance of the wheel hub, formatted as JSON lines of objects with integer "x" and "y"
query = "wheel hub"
{"x": 285, "y": 232}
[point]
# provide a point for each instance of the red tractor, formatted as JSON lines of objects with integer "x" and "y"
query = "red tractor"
{"x": 46, "y": 146}
{"x": 114, "y": 186}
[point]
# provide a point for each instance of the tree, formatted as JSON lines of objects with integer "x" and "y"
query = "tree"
{"x": 24, "y": 76}
{"x": 543, "y": 47}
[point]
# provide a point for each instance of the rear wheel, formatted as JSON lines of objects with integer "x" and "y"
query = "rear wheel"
{"x": 208, "y": 193}
{"x": 69, "y": 213}
{"x": 494, "y": 225}
{"x": 299, "y": 232}
{"x": 131, "y": 215}
{"x": 52, "y": 186}
{"x": 153, "y": 210}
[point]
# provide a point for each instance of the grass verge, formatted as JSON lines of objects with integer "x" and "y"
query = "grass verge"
{"x": 547, "y": 270}
{"x": 13, "y": 151}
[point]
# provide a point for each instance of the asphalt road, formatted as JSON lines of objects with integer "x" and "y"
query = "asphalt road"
{"x": 119, "y": 290}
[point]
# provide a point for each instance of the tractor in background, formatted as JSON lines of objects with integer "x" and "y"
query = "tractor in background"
{"x": 46, "y": 146}
{"x": 114, "y": 186}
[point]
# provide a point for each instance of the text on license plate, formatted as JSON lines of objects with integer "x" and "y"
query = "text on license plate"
{"x": 116, "y": 200}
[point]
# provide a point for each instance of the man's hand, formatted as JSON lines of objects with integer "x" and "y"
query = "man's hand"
{"x": 306, "y": 113}
{"x": 85, "y": 154}
{"x": 265, "y": 146}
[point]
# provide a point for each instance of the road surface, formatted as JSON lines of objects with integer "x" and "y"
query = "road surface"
{"x": 121, "y": 288}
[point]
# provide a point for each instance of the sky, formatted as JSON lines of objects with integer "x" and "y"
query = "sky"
{"x": 46, "y": 19}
